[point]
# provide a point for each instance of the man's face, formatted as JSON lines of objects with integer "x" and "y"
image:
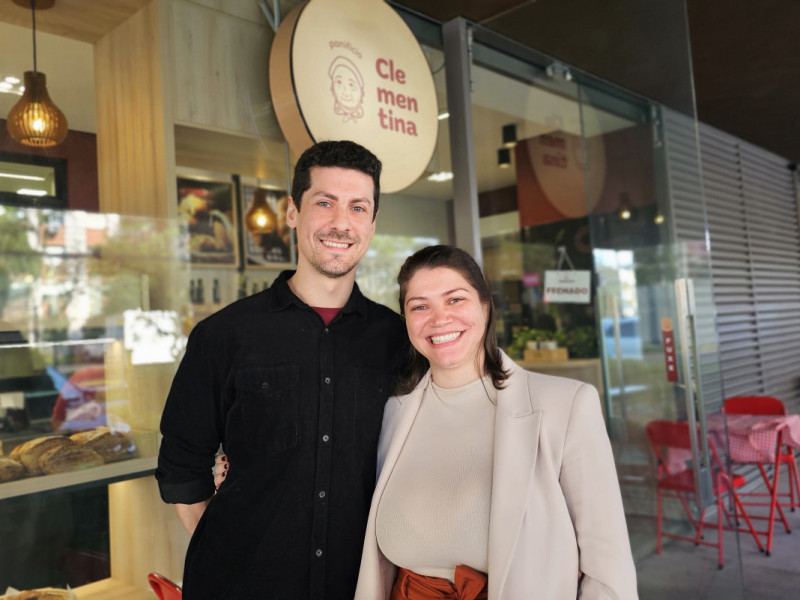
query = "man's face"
{"x": 335, "y": 224}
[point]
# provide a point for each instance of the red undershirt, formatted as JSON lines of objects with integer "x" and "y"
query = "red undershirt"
{"x": 327, "y": 314}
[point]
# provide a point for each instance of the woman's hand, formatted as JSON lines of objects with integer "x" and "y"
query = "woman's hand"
{"x": 220, "y": 470}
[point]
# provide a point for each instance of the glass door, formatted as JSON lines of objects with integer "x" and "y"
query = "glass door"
{"x": 583, "y": 251}
{"x": 657, "y": 340}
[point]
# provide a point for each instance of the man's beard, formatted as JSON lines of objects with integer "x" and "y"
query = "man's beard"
{"x": 329, "y": 268}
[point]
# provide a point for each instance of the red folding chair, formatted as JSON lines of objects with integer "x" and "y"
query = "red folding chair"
{"x": 164, "y": 588}
{"x": 769, "y": 405}
{"x": 678, "y": 482}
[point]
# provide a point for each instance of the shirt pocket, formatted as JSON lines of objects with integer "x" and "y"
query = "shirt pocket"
{"x": 268, "y": 398}
{"x": 372, "y": 389}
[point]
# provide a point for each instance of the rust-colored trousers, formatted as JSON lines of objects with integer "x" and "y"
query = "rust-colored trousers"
{"x": 469, "y": 585}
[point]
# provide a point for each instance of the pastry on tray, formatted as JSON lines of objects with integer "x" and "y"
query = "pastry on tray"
{"x": 111, "y": 445}
{"x": 70, "y": 457}
{"x": 30, "y": 452}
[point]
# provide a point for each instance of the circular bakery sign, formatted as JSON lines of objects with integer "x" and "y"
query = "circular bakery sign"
{"x": 352, "y": 69}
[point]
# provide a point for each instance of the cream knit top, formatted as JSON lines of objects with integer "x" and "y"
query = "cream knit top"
{"x": 434, "y": 512}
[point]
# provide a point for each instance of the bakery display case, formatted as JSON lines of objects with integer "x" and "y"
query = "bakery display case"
{"x": 94, "y": 313}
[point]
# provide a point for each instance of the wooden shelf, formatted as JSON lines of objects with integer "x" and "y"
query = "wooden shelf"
{"x": 124, "y": 469}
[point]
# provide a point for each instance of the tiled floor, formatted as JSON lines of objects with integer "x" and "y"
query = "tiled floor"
{"x": 686, "y": 572}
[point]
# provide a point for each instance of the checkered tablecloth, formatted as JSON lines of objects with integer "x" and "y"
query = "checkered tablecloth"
{"x": 752, "y": 438}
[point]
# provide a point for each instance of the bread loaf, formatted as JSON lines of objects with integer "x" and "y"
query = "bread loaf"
{"x": 30, "y": 452}
{"x": 111, "y": 445}
{"x": 69, "y": 457}
{"x": 10, "y": 469}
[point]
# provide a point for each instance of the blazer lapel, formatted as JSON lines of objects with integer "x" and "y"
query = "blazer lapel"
{"x": 398, "y": 432}
{"x": 516, "y": 443}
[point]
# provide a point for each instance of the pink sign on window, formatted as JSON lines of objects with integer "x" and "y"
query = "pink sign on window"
{"x": 530, "y": 279}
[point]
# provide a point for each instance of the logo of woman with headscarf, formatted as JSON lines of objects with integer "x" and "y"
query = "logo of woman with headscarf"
{"x": 347, "y": 87}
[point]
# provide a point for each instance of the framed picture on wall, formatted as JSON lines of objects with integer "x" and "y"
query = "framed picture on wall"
{"x": 206, "y": 208}
{"x": 268, "y": 241}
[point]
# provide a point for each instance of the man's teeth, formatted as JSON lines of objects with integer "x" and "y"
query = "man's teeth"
{"x": 447, "y": 337}
{"x": 335, "y": 244}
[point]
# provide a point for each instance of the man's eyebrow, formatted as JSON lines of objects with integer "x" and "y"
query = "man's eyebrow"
{"x": 325, "y": 194}
{"x": 332, "y": 196}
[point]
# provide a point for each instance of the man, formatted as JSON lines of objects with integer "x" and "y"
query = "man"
{"x": 292, "y": 382}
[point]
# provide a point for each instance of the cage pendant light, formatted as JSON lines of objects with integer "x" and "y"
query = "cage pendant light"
{"x": 35, "y": 120}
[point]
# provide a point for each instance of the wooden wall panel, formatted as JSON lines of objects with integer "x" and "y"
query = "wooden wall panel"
{"x": 135, "y": 140}
{"x": 220, "y": 65}
{"x": 146, "y": 534}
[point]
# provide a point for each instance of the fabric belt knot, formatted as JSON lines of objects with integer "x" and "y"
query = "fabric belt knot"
{"x": 469, "y": 584}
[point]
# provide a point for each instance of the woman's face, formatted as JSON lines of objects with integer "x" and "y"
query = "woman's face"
{"x": 346, "y": 88}
{"x": 446, "y": 321}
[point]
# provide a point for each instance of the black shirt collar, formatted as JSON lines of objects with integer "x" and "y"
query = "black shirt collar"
{"x": 282, "y": 296}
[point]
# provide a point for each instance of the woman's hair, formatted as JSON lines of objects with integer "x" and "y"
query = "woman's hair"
{"x": 449, "y": 257}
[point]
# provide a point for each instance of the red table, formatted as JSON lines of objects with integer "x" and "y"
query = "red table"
{"x": 757, "y": 439}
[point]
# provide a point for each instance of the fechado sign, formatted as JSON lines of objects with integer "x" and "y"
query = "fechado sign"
{"x": 352, "y": 69}
{"x": 567, "y": 287}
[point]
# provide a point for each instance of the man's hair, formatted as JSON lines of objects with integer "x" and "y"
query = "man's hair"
{"x": 450, "y": 257}
{"x": 343, "y": 154}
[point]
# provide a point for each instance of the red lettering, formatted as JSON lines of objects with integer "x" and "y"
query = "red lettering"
{"x": 381, "y": 62}
{"x": 399, "y": 100}
{"x": 552, "y": 160}
{"x": 393, "y": 74}
{"x": 392, "y": 123}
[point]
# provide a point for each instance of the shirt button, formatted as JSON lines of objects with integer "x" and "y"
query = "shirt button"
{"x": 327, "y": 380}
{"x": 322, "y": 494}
{"x": 318, "y": 552}
{"x": 326, "y": 438}
{"x": 326, "y": 331}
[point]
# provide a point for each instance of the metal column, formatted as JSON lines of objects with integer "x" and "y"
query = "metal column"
{"x": 457, "y": 53}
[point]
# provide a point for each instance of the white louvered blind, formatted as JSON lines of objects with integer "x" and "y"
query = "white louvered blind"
{"x": 755, "y": 260}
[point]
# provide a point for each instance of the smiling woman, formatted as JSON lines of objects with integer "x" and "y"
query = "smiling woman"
{"x": 446, "y": 318}
{"x": 476, "y": 436}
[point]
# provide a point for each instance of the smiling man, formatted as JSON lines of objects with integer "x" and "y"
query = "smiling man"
{"x": 292, "y": 383}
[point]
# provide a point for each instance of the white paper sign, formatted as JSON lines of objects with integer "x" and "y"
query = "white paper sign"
{"x": 567, "y": 287}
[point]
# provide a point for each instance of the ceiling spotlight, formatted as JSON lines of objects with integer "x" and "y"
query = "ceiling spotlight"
{"x": 509, "y": 135}
{"x": 503, "y": 158}
{"x": 440, "y": 176}
{"x": 658, "y": 219}
{"x": 625, "y": 214}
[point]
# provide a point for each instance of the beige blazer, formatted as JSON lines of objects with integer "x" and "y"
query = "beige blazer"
{"x": 556, "y": 505}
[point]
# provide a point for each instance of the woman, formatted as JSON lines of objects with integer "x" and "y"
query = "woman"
{"x": 487, "y": 471}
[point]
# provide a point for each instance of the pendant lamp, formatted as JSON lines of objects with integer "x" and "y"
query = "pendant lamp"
{"x": 35, "y": 120}
{"x": 260, "y": 218}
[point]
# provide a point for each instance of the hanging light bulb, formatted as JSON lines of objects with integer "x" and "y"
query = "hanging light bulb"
{"x": 35, "y": 120}
{"x": 260, "y": 218}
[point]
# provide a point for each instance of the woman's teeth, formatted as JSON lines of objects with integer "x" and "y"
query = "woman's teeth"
{"x": 447, "y": 337}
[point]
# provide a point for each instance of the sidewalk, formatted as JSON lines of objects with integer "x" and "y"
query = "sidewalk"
{"x": 687, "y": 572}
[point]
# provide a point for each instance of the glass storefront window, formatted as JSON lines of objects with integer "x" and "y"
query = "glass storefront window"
{"x": 94, "y": 315}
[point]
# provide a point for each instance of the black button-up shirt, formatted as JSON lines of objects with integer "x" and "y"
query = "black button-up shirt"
{"x": 297, "y": 406}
